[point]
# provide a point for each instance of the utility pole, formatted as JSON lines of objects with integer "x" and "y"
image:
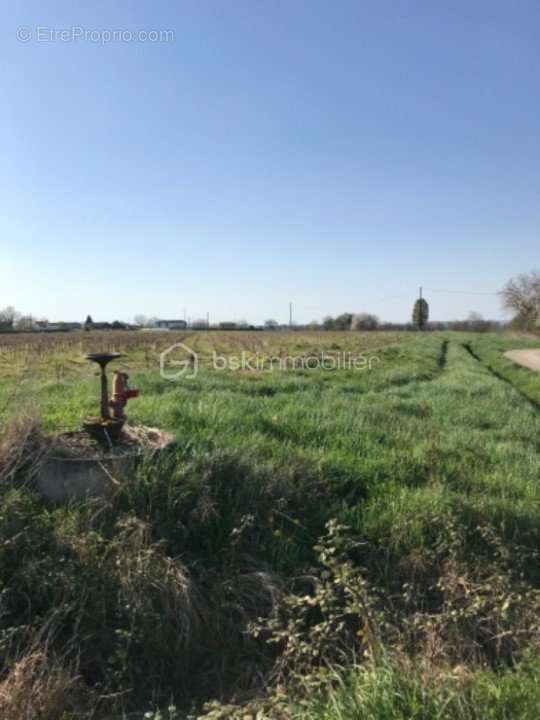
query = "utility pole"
{"x": 290, "y": 314}
{"x": 207, "y": 319}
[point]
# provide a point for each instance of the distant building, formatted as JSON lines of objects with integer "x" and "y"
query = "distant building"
{"x": 228, "y": 325}
{"x": 171, "y": 324}
{"x": 46, "y": 326}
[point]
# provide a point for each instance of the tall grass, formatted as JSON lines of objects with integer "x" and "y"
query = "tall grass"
{"x": 490, "y": 351}
{"x": 399, "y": 691}
{"x": 431, "y": 459}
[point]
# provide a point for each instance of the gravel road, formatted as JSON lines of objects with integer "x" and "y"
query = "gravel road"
{"x": 529, "y": 358}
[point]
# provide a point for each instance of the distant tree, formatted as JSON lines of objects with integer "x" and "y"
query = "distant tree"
{"x": 364, "y": 321}
{"x": 328, "y": 323}
{"x": 420, "y": 314}
{"x": 140, "y": 320}
{"x": 270, "y": 324}
{"x": 199, "y": 323}
{"x": 521, "y": 295}
{"x": 475, "y": 322}
{"x": 26, "y": 323}
{"x": 343, "y": 321}
{"x": 340, "y": 322}
{"x": 8, "y": 317}
{"x": 88, "y": 323}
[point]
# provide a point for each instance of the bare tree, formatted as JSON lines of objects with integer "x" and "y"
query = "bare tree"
{"x": 364, "y": 321}
{"x": 9, "y": 316}
{"x": 25, "y": 323}
{"x": 140, "y": 320}
{"x": 199, "y": 324}
{"x": 521, "y": 295}
{"x": 475, "y": 321}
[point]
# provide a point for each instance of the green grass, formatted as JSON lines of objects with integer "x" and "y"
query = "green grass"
{"x": 490, "y": 351}
{"x": 397, "y": 692}
{"x": 432, "y": 458}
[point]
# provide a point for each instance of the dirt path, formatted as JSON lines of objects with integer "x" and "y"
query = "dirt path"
{"x": 528, "y": 358}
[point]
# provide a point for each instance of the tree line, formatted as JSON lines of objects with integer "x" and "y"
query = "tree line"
{"x": 520, "y": 295}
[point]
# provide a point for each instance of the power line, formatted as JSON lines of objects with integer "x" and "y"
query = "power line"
{"x": 392, "y": 297}
{"x": 408, "y": 294}
{"x": 435, "y": 290}
{"x": 460, "y": 292}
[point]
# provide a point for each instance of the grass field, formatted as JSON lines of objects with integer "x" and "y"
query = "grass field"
{"x": 213, "y": 574}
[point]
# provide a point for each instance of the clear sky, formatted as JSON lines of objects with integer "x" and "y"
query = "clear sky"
{"x": 336, "y": 154}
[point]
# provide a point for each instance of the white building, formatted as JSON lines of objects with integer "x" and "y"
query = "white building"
{"x": 171, "y": 324}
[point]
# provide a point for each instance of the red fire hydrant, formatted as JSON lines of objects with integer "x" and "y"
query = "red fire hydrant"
{"x": 121, "y": 393}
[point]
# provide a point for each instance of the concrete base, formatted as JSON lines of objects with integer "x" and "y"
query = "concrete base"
{"x": 65, "y": 478}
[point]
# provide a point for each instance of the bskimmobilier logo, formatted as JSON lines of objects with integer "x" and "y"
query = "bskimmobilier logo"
{"x": 179, "y": 362}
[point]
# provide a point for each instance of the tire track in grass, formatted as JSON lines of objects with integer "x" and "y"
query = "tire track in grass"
{"x": 533, "y": 403}
{"x": 478, "y": 458}
{"x": 443, "y": 358}
{"x": 499, "y": 405}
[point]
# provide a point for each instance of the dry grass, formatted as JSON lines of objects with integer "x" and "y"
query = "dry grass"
{"x": 62, "y": 355}
{"x": 156, "y": 586}
{"x": 40, "y": 688}
{"x": 22, "y": 450}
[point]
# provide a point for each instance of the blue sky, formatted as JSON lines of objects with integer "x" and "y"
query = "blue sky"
{"x": 336, "y": 154}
